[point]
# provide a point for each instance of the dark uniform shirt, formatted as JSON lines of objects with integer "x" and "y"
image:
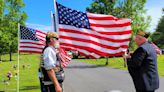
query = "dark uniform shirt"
{"x": 142, "y": 67}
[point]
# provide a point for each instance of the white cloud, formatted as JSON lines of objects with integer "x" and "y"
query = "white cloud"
{"x": 39, "y": 27}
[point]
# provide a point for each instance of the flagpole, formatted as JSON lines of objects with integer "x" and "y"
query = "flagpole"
{"x": 52, "y": 22}
{"x": 18, "y": 58}
{"x": 56, "y": 17}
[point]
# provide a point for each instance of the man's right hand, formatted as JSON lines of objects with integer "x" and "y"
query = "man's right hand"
{"x": 58, "y": 88}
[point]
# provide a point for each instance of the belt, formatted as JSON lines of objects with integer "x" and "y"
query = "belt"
{"x": 47, "y": 82}
{"x": 56, "y": 69}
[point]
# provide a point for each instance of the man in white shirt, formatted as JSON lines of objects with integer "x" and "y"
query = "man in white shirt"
{"x": 51, "y": 65}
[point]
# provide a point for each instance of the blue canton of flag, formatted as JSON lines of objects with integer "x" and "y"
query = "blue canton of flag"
{"x": 75, "y": 18}
{"x": 28, "y": 33}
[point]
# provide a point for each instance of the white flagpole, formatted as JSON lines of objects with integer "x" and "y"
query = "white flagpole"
{"x": 18, "y": 58}
{"x": 56, "y": 17}
{"x": 52, "y": 22}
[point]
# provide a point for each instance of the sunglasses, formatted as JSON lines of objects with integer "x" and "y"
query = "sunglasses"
{"x": 56, "y": 38}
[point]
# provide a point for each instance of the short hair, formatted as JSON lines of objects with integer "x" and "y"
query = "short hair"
{"x": 143, "y": 34}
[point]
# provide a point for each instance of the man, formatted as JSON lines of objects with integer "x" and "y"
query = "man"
{"x": 51, "y": 64}
{"x": 142, "y": 65}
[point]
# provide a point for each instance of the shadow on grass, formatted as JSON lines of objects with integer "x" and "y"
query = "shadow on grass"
{"x": 30, "y": 87}
{"x": 85, "y": 66}
{"x": 83, "y": 57}
{"x": 7, "y": 60}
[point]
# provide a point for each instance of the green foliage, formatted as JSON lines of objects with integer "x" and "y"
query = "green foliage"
{"x": 101, "y": 6}
{"x": 158, "y": 35}
{"x": 1, "y": 9}
{"x": 132, "y": 9}
{"x": 10, "y": 15}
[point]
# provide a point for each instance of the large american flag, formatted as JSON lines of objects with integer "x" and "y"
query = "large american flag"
{"x": 93, "y": 35}
{"x": 33, "y": 41}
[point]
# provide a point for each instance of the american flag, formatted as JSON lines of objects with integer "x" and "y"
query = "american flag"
{"x": 93, "y": 35}
{"x": 157, "y": 49}
{"x": 64, "y": 58}
{"x": 33, "y": 41}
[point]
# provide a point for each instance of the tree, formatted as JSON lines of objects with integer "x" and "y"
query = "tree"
{"x": 132, "y": 9}
{"x": 101, "y": 6}
{"x": 1, "y": 21}
{"x": 11, "y": 17}
{"x": 158, "y": 35}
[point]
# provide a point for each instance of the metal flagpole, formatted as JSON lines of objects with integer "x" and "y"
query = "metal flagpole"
{"x": 18, "y": 58}
{"x": 53, "y": 22}
{"x": 56, "y": 26}
{"x": 56, "y": 17}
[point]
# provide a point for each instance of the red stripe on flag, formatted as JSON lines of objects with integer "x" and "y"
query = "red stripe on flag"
{"x": 93, "y": 35}
{"x": 93, "y": 42}
{"x": 26, "y": 51}
{"x": 110, "y": 25}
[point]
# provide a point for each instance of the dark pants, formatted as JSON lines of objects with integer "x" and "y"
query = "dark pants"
{"x": 51, "y": 88}
{"x": 143, "y": 91}
{"x": 42, "y": 86}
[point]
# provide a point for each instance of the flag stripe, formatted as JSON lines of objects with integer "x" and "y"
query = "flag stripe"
{"x": 95, "y": 49}
{"x": 31, "y": 47}
{"x": 30, "y": 51}
{"x": 109, "y": 22}
{"x": 114, "y": 29}
{"x": 31, "y": 43}
{"x": 110, "y": 25}
{"x": 116, "y": 33}
{"x": 95, "y": 54}
{"x": 92, "y": 42}
{"x": 81, "y": 51}
{"x": 111, "y": 38}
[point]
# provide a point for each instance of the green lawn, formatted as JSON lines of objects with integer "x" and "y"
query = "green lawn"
{"x": 29, "y": 81}
{"x": 118, "y": 63}
{"x": 6, "y": 66}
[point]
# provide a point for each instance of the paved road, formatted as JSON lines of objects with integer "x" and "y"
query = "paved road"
{"x": 82, "y": 77}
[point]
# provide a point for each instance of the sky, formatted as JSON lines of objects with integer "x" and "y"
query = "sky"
{"x": 39, "y": 17}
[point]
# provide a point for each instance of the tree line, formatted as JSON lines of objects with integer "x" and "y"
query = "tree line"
{"x": 11, "y": 14}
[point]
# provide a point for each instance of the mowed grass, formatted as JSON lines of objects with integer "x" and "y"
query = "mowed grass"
{"x": 118, "y": 63}
{"x": 5, "y": 66}
{"x": 29, "y": 81}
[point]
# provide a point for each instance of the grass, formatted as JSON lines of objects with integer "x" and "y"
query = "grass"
{"x": 29, "y": 81}
{"x": 5, "y": 66}
{"x": 118, "y": 63}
